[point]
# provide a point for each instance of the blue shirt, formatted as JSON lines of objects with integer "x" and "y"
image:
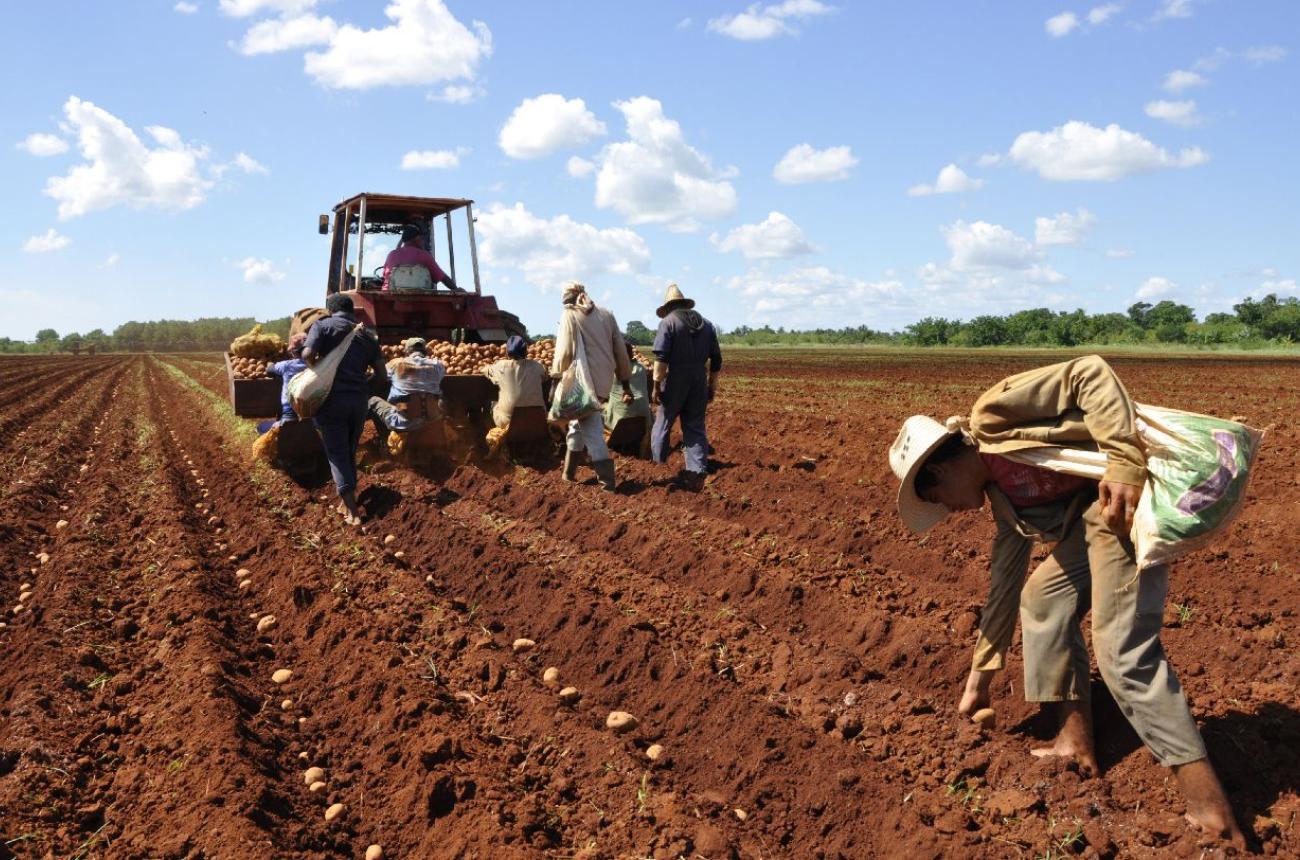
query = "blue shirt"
{"x": 287, "y": 370}
{"x": 687, "y": 341}
{"x": 327, "y": 333}
{"x": 415, "y": 372}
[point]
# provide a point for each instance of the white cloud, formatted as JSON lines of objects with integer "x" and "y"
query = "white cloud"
{"x": 248, "y": 8}
{"x": 981, "y": 246}
{"x": 684, "y": 24}
{"x": 656, "y": 177}
{"x": 805, "y": 164}
{"x": 774, "y": 237}
{"x": 1078, "y": 151}
{"x": 110, "y": 261}
{"x": 286, "y": 34}
{"x": 1281, "y": 286}
{"x": 1178, "y": 113}
{"x": 1120, "y": 253}
{"x": 549, "y": 252}
{"x": 49, "y": 242}
{"x": 260, "y": 271}
{"x": 579, "y": 167}
{"x": 1064, "y": 229}
{"x": 186, "y": 8}
{"x": 1261, "y": 54}
{"x": 457, "y": 94}
{"x": 1098, "y": 15}
{"x": 425, "y": 44}
{"x": 989, "y": 159}
{"x": 248, "y": 164}
{"x": 1060, "y": 25}
{"x": 760, "y": 22}
{"x": 1181, "y": 79}
{"x": 120, "y": 169}
{"x": 548, "y": 123}
{"x": 1173, "y": 9}
{"x": 951, "y": 180}
{"x": 1212, "y": 60}
{"x": 43, "y": 145}
{"x": 432, "y": 159}
{"x": 1154, "y": 288}
{"x": 813, "y": 296}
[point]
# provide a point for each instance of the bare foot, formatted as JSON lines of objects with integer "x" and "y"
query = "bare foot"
{"x": 1208, "y": 809}
{"x": 976, "y": 695}
{"x": 1074, "y": 741}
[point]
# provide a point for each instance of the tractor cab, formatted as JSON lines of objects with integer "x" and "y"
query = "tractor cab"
{"x": 368, "y": 226}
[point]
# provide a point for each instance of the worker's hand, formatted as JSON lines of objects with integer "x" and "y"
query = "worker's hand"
{"x": 1118, "y": 505}
{"x": 976, "y": 695}
{"x": 713, "y": 386}
{"x": 654, "y": 394}
{"x": 628, "y": 397}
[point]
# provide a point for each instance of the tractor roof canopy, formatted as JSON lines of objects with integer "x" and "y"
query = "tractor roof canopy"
{"x": 394, "y": 208}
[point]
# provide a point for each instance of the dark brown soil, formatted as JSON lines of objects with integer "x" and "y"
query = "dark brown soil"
{"x": 796, "y": 653}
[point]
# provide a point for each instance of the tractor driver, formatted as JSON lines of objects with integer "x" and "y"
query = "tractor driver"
{"x": 411, "y": 251}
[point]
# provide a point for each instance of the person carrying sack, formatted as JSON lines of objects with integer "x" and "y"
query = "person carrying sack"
{"x": 588, "y": 346}
{"x": 1092, "y": 564}
{"x": 342, "y": 415}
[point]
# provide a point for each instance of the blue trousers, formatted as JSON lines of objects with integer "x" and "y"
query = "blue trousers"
{"x": 685, "y": 397}
{"x": 339, "y": 422}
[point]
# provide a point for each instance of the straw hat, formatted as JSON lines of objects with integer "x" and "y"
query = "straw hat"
{"x": 674, "y": 299}
{"x": 918, "y": 439}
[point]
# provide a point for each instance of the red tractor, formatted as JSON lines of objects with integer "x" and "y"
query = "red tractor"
{"x": 365, "y": 228}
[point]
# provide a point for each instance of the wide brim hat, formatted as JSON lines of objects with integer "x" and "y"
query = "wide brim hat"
{"x": 673, "y": 299}
{"x": 918, "y": 439}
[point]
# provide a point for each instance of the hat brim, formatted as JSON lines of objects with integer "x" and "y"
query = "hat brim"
{"x": 918, "y": 514}
{"x": 668, "y": 307}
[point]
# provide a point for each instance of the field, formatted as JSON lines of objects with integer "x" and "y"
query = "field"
{"x": 796, "y": 654}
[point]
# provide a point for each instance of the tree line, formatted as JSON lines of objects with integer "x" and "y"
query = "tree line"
{"x": 1269, "y": 321}
{"x": 210, "y": 334}
{"x": 1254, "y": 323}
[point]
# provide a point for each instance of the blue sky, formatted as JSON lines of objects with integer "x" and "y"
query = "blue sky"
{"x": 798, "y": 163}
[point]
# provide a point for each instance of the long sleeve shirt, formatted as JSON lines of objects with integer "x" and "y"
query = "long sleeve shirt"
{"x": 687, "y": 343}
{"x": 603, "y": 343}
{"x": 1077, "y": 403}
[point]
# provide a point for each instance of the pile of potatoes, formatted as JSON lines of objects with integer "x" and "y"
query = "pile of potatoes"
{"x": 463, "y": 359}
{"x": 250, "y": 368}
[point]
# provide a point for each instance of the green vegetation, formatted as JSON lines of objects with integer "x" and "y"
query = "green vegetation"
{"x": 1268, "y": 322}
{"x": 211, "y": 334}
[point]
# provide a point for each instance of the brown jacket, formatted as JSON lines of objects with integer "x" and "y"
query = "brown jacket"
{"x": 1078, "y": 403}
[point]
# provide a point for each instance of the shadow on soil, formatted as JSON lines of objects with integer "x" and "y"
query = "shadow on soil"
{"x": 1256, "y": 754}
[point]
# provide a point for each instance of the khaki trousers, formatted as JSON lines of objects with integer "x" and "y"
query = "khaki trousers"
{"x": 1093, "y": 568}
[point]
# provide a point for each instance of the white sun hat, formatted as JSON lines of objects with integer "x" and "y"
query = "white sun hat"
{"x": 918, "y": 439}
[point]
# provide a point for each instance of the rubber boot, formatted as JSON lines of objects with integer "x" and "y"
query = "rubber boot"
{"x": 572, "y": 459}
{"x": 605, "y": 474}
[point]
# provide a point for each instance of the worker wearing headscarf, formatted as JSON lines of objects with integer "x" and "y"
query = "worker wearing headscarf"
{"x": 591, "y": 332}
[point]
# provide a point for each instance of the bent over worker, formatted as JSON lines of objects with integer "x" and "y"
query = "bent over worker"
{"x": 685, "y": 380}
{"x": 1079, "y": 403}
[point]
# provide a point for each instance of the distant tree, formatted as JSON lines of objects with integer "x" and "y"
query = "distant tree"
{"x": 638, "y": 334}
{"x": 1169, "y": 321}
{"x": 1138, "y": 313}
{"x": 47, "y": 339}
{"x": 984, "y": 331}
{"x": 70, "y": 342}
{"x": 931, "y": 331}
